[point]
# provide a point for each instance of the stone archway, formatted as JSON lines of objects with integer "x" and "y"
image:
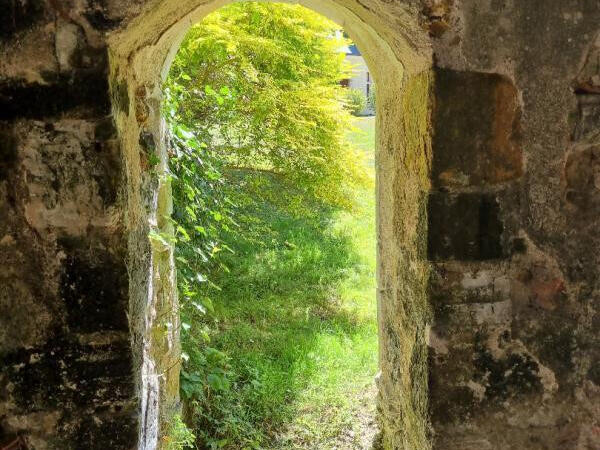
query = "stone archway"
{"x": 400, "y": 60}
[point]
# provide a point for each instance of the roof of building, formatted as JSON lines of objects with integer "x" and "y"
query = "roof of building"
{"x": 353, "y": 50}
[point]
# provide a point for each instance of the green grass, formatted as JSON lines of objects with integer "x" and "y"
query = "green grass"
{"x": 363, "y": 136}
{"x": 296, "y": 316}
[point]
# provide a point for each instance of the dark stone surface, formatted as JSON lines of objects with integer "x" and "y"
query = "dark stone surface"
{"x": 94, "y": 289}
{"x": 83, "y": 90}
{"x": 99, "y": 16}
{"x": 17, "y": 15}
{"x": 8, "y": 150}
{"x": 147, "y": 142}
{"x": 588, "y": 120}
{"x": 99, "y": 20}
{"x": 450, "y": 405}
{"x": 105, "y": 129}
{"x": 112, "y": 431}
{"x": 64, "y": 371}
{"x": 476, "y": 134}
{"x": 91, "y": 384}
{"x": 558, "y": 347}
{"x": 510, "y": 376}
{"x": 464, "y": 227}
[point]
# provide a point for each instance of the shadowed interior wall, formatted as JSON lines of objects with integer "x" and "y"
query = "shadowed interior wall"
{"x": 487, "y": 168}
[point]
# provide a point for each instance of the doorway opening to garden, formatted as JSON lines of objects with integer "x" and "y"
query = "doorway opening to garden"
{"x": 399, "y": 58}
{"x": 271, "y": 111}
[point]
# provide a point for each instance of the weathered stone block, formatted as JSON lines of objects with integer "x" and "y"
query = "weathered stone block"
{"x": 476, "y": 136}
{"x": 464, "y": 227}
{"x": 483, "y": 369}
{"x": 538, "y": 287}
{"x": 63, "y": 371}
{"x": 71, "y": 393}
{"x": 582, "y": 176}
{"x": 105, "y": 430}
{"x": 94, "y": 289}
{"x": 505, "y": 376}
{"x": 588, "y": 120}
{"x": 16, "y": 16}
{"x": 67, "y": 42}
{"x": 452, "y": 284}
{"x": 73, "y": 174}
{"x": 84, "y": 89}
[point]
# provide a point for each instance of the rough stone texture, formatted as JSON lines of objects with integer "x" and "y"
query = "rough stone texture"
{"x": 488, "y": 211}
{"x": 513, "y": 345}
{"x": 478, "y": 143}
{"x": 465, "y": 226}
{"x": 66, "y": 359}
{"x": 66, "y": 371}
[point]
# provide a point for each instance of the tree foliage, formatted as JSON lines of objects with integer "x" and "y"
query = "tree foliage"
{"x": 260, "y": 83}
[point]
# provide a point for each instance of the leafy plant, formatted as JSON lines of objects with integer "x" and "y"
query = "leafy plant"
{"x": 372, "y": 98}
{"x": 356, "y": 101}
{"x": 179, "y": 436}
{"x": 260, "y": 85}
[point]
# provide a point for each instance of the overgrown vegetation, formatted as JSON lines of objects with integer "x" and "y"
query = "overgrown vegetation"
{"x": 356, "y": 101}
{"x": 260, "y": 84}
{"x": 371, "y": 99}
{"x": 179, "y": 436}
{"x": 274, "y": 220}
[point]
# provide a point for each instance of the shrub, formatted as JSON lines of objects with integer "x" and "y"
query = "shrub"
{"x": 356, "y": 101}
{"x": 371, "y": 101}
{"x": 179, "y": 436}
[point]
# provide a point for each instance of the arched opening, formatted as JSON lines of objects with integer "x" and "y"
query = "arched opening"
{"x": 140, "y": 59}
{"x": 275, "y": 250}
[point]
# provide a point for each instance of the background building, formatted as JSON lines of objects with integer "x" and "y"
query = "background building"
{"x": 361, "y": 79}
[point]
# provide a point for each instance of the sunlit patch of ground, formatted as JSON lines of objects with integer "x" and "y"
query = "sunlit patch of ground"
{"x": 300, "y": 319}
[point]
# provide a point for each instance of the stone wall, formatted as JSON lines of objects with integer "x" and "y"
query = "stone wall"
{"x": 502, "y": 197}
{"x": 66, "y": 377}
{"x": 514, "y": 342}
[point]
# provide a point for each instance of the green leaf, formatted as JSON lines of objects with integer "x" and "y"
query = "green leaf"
{"x": 218, "y": 382}
{"x": 199, "y": 307}
{"x": 153, "y": 159}
{"x": 184, "y": 233}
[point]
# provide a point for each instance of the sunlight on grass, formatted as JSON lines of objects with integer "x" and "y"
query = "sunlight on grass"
{"x": 300, "y": 321}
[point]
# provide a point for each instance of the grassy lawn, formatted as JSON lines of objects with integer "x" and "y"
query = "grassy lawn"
{"x": 297, "y": 318}
{"x": 364, "y": 135}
